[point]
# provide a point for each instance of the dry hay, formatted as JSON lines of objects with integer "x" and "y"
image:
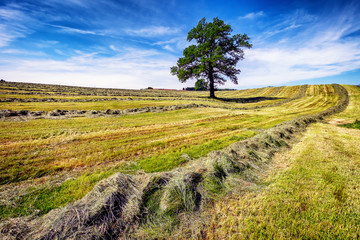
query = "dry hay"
{"x": 58, "y": 113}
{"x": 117, "y": 205}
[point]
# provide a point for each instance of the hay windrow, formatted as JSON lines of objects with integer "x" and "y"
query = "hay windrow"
{"x": 106, "y": 211}
{"x": 125, "y": 205}
{"x": 60, "y": 113}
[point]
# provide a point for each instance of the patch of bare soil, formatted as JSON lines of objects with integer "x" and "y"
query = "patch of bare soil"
{"x": 339, "y": 121}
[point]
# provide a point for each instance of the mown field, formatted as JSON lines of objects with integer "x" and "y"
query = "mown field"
{"x": 310, "y": 192}
{"x": 49, "y": 162}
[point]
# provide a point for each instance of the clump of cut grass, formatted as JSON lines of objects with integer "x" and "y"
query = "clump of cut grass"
{"x": 152, "y": 218}
{"x": 180, "y": 194}
{"x": 42, "y": 199}
{"x": 106, "y": 211}
{"x": 215, "y": 182}
{"x": 165, "y": 198}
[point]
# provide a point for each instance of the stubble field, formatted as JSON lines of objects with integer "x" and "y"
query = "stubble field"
{"x": 50, "y": 159}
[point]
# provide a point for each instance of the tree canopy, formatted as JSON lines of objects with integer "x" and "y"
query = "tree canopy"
{"x": 214, "y": 56}
{"x": 200, "y": 85}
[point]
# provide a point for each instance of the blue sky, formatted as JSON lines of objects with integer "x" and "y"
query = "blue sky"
{"x": 133, "y": 43}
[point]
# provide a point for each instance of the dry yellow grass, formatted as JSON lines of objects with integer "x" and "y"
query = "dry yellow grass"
{"x": 96, "y": 147}
{"x": 310, "y": 192}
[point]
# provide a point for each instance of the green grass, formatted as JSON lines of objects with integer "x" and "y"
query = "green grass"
{"x": 355, "y": 124}
{"x": 43, "y": 146}
{"x": 316, "y": 197}
{"x": 47, "y": 197}
{"x": 40, "y": 200}
{"x": 176, "y": 158}
{"x": 310, "y": 192}
{"x": 352, "y": 112}
{"x": 91, "y": 149}
{"x": 139, "y": 98}
{"x": 28, "y": 90}
{"x": 98, "y": 105}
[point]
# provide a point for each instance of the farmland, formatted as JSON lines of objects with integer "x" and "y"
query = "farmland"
{"x": 312, "y": 191}
{"x": 58, "y": 142}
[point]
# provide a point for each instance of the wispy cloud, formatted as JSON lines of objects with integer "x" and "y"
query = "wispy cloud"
{"x": 13, "y": 24}
{"x": 22, "y": 52}
{"x": 140, "y": 48}
{"x": 10, "y": 14}
{"x": 112, "y": 47}
{"x": 76, "y": 30}
{"x": 174, "y": 44}
{"x": 152, "y": 31}
{"x": 319, "y": 50}
{"x": 47, "y": 43}
{"x": 134, "y": 68}
{"x": 252, "y": 15}
{"x": 281, "y": 65}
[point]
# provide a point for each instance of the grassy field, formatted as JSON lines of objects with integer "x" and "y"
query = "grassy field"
{"x": 229, "y": 99}
{"x": 47, "y": 163}
{"x": 311, "y": 192}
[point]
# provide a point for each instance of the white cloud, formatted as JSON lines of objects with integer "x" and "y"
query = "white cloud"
{"x": 268, "y": 66}
{"x": 169, "y": 48}
{"x": 112, "y": 47}
{"x": 12, "y": 24}
{"x": 22, "y": 52}
{"x": 271, "y": 33}
{"x": 174, "y": 44}
{"x": 76, "y": 30}
{"x": 78, "y": 3}
{"x": 7, "y": 36}
{"x": 319, "y": 49}
{"x": 295, "y": 46}
{"x": 10, "y": 14}
{"x": 46, "y": 43}
{"x": 152, "y": 31}
{"x": 134, "y": 69}
{"x": 252, "y": 15}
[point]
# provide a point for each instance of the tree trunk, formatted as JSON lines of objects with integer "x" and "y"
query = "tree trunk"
{"x": 212, "y": 88}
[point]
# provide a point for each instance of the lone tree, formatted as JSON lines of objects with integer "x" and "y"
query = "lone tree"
{"x": 215, "y": 55}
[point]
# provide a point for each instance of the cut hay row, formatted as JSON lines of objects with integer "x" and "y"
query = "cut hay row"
{"x": 43, "y": 147}
{"x": 11, "y": 91}
{"x": 15, "y": 98}
{"x": 120, "y": 203}
{"x": 59, "y": 90}
{"x": 265, "y": 92}
{"x": 309, "y": 192}
{"x": 27, "y": 115}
